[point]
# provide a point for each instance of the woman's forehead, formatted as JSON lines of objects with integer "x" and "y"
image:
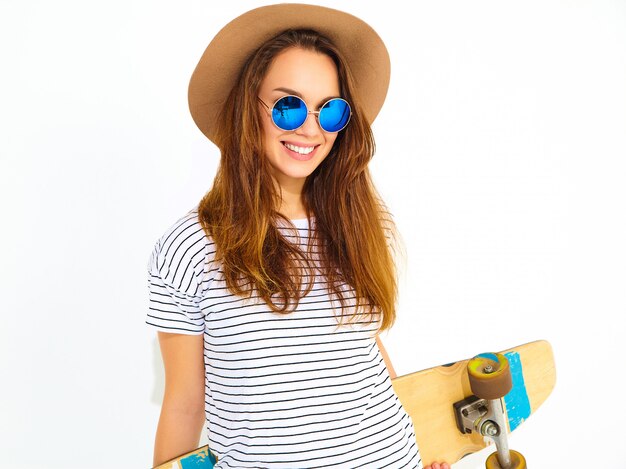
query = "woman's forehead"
{"x": 304, "y": 73}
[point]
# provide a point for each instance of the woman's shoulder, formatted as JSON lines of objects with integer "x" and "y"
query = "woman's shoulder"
{"x": 185, "y": 230}
{"x": 184, "y": 244}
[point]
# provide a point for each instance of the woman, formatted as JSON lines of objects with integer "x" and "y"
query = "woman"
{"x": 268, "y": 297}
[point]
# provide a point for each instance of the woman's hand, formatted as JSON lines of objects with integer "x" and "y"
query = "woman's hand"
{"x": 436, "y": 465}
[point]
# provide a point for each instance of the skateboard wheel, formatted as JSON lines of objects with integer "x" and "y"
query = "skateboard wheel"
{"x": 517, "y": 461}
{"x": 489, "y": 375}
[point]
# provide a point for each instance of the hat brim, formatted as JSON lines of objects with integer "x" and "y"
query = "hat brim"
{"x": 221, "y": 62}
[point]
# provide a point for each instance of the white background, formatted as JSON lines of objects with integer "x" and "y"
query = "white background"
{"x": 500, "y": 150}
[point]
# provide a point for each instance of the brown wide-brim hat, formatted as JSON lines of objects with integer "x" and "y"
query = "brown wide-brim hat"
{"x": 221, "y": 63}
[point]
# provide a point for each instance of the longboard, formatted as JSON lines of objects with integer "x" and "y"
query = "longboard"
{"x": 428, "y": 396}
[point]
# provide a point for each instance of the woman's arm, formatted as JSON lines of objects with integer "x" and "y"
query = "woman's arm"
{"x": 182, "y": 411}
{"x": 392, "y": 372}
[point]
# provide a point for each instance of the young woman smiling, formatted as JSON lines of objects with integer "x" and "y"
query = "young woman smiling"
{"x": 268, "y": 296}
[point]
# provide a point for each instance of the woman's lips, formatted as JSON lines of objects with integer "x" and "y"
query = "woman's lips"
{"x": 299, "y": 156}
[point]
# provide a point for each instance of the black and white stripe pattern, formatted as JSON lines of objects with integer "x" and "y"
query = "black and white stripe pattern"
{"x": 282, "y": 391}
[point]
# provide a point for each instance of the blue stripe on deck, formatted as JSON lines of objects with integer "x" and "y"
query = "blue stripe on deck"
{"x": 516, "y": 401}
{"x": 202, "y": 460}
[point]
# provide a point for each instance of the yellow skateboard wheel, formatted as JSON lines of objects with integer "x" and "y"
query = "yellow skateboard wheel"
{"x": 517, "y": 461}
{"x": 489, "y": 376}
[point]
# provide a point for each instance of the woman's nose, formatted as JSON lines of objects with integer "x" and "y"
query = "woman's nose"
{"x": 310, "y": 126}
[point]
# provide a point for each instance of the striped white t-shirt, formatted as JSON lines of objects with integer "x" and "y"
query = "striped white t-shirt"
{"x": 282, "y": 390}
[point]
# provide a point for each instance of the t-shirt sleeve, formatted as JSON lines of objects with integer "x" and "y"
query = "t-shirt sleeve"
{"x": 174, "y": 302}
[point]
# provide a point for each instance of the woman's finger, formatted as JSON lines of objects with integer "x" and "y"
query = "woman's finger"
{"x": 436, "y": 465}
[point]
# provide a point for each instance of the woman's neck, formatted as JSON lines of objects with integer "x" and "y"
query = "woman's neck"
{"x": 292, "y": 205}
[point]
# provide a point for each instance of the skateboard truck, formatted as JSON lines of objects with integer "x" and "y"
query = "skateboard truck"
{"x": 490, "y": 380}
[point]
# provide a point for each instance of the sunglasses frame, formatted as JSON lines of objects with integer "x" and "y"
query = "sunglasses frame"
{"x": 317, "y": 113}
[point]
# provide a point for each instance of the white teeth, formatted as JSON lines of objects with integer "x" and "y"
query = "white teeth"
{"x": 301, "y": 150}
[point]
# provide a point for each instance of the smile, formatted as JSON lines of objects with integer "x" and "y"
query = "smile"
{"x": 297, "y": 149}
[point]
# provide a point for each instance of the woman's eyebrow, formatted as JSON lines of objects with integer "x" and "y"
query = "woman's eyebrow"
{"x": 294, "y": 92}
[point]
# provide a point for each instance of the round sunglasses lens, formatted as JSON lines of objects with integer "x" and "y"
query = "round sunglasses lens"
{"x": 335, "y": 115}
{"x": 289, "y": 113}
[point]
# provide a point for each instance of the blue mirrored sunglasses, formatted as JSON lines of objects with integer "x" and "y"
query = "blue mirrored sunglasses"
{"x": 290, "y": 113}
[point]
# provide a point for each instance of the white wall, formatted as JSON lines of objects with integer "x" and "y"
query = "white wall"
{"x": 500, "y": 151}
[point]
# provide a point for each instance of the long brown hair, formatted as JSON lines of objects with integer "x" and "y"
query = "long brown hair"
{"x": 353, "y": 232}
